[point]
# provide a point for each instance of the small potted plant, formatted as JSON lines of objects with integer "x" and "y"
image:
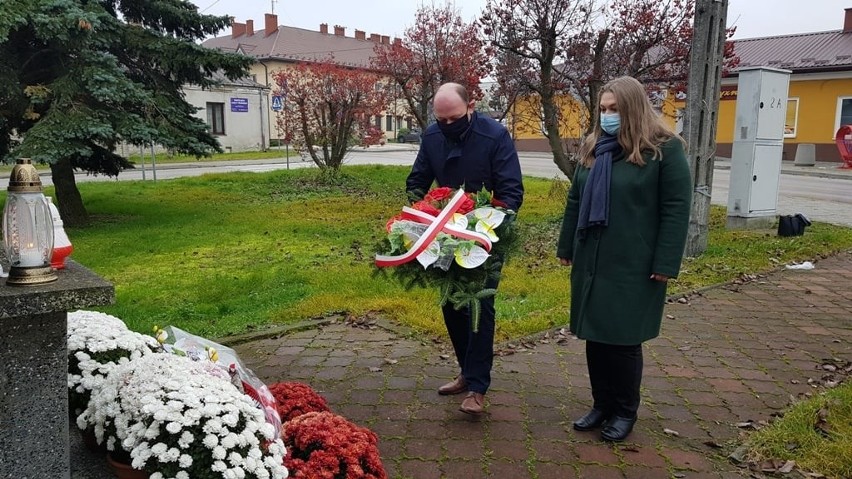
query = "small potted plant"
{"x": 170, "y": 416}
{"x": 294, "y": 399}
{"x": 324, "y": 445}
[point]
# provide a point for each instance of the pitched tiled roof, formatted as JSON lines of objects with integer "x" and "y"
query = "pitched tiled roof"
{"x": 801, "y": 53}
{"x": 298, "y": 44}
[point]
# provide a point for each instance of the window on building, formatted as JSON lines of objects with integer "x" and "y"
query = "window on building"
{"x": 388, "y": 123}
{"x": 792, "y": 118}
{"x": 216, "y": 118}
{"x": 408, "y": 122}
{"x": 844, "y": 113}
{"x": 378, "y": 121}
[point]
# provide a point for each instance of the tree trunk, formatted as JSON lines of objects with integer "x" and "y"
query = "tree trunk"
{"x": 702, "y": 107}
{"x": 549, "y": 110}
{"x": 596, "y": 82}
{"x": 68, "y": 199}
{"x": 551, "y": 124}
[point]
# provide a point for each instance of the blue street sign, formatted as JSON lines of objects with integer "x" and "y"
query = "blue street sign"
{"x": 239, "y": 104}
{"x": 277, "y": 104}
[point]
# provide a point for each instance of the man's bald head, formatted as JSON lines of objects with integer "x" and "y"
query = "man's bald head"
{"x": 451, "y": 103}
{"x": 450, "y": 88}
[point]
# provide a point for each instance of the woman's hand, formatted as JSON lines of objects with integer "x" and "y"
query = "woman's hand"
{"x": 660, "y": 277}
{"x": 565, "y": 262}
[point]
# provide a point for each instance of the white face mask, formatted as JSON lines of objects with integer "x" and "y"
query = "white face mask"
{"x": 610, "y": 123}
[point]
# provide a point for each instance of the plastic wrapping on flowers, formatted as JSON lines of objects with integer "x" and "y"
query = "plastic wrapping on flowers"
{"x": 97, "y": 343}
{"x": 175, "y": 417}
{"x": 451, "y": 240}
{"x": 177, "y": 341}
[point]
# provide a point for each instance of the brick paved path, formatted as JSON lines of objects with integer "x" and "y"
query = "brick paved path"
{"x": 732, "y": 354}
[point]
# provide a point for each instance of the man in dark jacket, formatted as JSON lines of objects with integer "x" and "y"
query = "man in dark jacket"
{"x": 465, "y": 149}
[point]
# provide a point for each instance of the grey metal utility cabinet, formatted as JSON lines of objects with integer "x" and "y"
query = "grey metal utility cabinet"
{"x": 758, "y": 143}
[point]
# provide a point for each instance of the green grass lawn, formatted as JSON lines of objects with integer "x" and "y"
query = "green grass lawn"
{"x": 816, "y": 433}
{"x": 228, "y": 253}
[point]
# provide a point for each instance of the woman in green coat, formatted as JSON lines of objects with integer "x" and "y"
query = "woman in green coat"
{"x": 624, "y": 232}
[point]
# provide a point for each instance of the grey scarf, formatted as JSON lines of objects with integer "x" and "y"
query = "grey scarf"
{"x": 594, "y": 202}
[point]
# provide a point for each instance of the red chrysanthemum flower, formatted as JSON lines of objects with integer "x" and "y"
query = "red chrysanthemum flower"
{"x": 324, "y": 445}
{"x": 294, "y": 399}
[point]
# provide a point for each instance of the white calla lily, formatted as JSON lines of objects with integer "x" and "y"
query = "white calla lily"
{"x": 492, "y": 216}
{"x": 470, "y": 256}
{"x": 487, "y": 230}
{"x": 459, "y": 221}
{"x": 409, "y": 238}
{"x": 487, "y": 220}
{"x": 430, "y": 255}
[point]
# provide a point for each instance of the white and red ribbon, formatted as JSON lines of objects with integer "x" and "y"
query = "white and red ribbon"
{"x": 437, "y": 224}
{"x": 450, "y": 228}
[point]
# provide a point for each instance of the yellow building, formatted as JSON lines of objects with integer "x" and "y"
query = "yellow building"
{"x": 820, "y": 95}
{"x": 278, "y": 47}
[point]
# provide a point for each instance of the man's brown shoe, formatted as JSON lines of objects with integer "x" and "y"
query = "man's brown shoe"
{"x": 474, "y": 404}
{"x": 457, "y": 386}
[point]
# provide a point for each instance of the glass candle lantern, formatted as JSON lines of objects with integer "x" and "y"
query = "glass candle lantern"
{"x": 27, "y": 228}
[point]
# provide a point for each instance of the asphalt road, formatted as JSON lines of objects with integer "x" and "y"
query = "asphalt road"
{"x": 822, "y": 199}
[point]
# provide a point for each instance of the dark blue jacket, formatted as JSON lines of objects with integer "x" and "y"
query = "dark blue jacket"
{"x": 484, "y": 157}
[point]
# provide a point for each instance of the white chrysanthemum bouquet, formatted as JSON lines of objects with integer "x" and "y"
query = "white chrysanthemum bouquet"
{"x": 97, "y": 343}
{"x": 173, "y": 417}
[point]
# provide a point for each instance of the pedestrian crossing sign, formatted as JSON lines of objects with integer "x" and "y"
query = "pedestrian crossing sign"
{"x": 277, "y": 104}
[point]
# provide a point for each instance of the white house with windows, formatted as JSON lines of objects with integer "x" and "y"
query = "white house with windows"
{"x": 237, "y": 112}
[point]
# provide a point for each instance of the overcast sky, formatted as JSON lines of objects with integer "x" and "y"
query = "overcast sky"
{"x": 753, "y": 18}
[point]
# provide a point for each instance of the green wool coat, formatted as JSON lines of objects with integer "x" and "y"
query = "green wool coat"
{"x": 613, "y": 299}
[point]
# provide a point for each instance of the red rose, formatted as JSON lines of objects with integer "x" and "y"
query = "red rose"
{"x": 498, "y": 203}
{"x": 392, "y": 221}
{"x": 439, "y": 194}
{"x": 467, "y": 204}
{"x": 426, "y": 207}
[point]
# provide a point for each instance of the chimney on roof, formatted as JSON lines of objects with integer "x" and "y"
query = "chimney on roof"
{"x": 249, "y": 27}
{"x": 270, "y": 23}
{"x": 375, "y": 37}
{"x": 237, "y": 29}
{"x": 360, "y": 35}
{"x": 847, "y": 24}
{"x": 324, "y": 28}
{"x": 385, "y": 40}
{"x": 397, "y": 41}
{"x": 339, "y": 31}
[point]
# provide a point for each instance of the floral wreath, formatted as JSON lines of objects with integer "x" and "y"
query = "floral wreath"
{"x": 452, "y": 240}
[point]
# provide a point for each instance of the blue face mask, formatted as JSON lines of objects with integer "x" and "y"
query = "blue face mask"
{"x": 610, "y": 123}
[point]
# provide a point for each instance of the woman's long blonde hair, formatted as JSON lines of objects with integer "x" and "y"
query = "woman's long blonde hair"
{"x": 641, "y": 129}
